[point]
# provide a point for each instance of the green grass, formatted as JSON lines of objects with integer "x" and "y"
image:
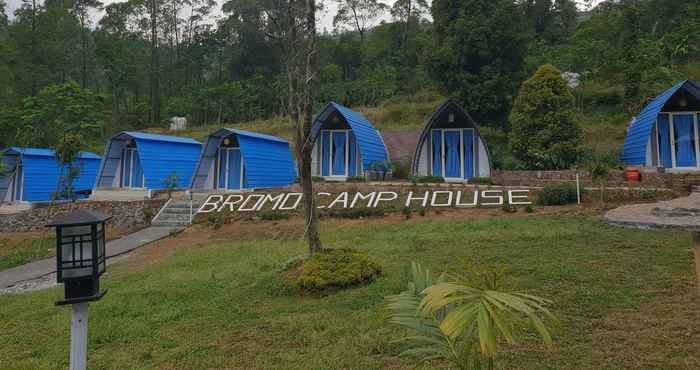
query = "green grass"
{"x": 26, "y": 250}
{"x": 222, "y": 306}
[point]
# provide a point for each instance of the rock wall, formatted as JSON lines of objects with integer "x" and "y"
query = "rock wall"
{"x": 125, "y": 215}
{"x": 677, "y": 182}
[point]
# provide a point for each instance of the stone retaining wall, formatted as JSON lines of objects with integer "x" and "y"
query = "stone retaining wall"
{"x": 125, "y": 215}
{"x": 680, "y": 183}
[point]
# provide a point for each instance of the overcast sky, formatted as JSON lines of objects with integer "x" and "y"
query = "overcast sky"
{"x": 326, "y": 16}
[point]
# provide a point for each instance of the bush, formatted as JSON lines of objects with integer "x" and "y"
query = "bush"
{"x": 353, "y": 213}
{"x": 557, "y": 195}
{"x": 318, "y": 179}
{"x": 335, "y": 268}
{"x": 273, "y": 215}
{"x": 481, "y": 180}
{"x": 356, "y": 179}
{"x": 543, "y": 133}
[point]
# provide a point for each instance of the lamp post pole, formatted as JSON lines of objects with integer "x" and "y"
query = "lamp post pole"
{"x": 78, "y": 336}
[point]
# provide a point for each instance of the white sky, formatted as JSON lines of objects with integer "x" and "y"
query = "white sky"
{"x": 326, "y": 18}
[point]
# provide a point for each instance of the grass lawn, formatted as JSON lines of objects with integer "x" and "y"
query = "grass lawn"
{"x": 18, "y": 249}
{"x": 211, "y": 299}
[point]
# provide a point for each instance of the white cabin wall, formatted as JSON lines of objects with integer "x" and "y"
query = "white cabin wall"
{"x": 483, "y": 164}
{"x": 423, "y": 160}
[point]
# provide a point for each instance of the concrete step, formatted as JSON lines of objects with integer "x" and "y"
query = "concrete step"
{"x": 173, "y": 216}
{"x": 169, "y": 223}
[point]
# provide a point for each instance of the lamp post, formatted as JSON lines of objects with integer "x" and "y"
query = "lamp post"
{"x": 80, "y": 261}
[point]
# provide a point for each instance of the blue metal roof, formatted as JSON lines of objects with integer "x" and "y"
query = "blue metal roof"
{"x": 267, "y": 160}
{"x": 40, "y": 172}
{"x": 159, "y": 156}
{"x": 41, "y": 152}
{"x": 635, "y": 148}
{"x": 369, "y": 140}
{"x": 162, "y": 138}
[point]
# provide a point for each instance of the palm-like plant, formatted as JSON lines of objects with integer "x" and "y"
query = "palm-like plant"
{"x": 464, "y": 320}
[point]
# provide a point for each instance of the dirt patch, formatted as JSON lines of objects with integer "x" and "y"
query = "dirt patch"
{"x": 662, "y": 334}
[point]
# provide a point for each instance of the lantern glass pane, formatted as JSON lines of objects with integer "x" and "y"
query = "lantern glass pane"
{"x": 101, "y": 252}
{"x": 76, "y": 251}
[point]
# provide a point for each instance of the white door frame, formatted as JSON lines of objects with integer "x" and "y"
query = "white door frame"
{"x": 672, "y": 139}
{"x": 134, "y": 151}
{"x": 227, "y": 174}
{"x": 330, "y": 150}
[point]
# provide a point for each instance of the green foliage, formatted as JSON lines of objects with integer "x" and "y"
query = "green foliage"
{"x": 354, "y": 213}
{"x": 148, "y": 214}
{"x": 427, "y": 179}
{"x": 529, "y": 209}
{"x": 382, "y": 168}
{"x": 67, "y": 153}
{"x": 464, "y": 319}
{"x": 557, "y": 195}
{"x": 318, "y": 179}
{"x": 543, "y": 133}
{"x": 336, "y": 268}
{"x": 482, "y": 67}
{"x": 481, "y": 180}
{"x": 171, "y": 182}
{"x": 59, "y": 110}
{"x": 356, "y": 179}
{"x": 269, "y": 215}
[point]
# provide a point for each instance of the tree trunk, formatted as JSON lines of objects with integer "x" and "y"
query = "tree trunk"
{"x": 155, "y": 66}
{"x": 302, "y": 64}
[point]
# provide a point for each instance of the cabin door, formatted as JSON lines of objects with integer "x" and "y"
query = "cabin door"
{"x": 230, "y": 169}
{"x": 339, "y": 153}
{"x": 132, "y": 172}
{"x": 678, "y": 140}
{"x": 453, "y": 154}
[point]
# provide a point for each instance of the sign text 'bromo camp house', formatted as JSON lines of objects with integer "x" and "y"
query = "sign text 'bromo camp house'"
{"x": 346, "y": 200}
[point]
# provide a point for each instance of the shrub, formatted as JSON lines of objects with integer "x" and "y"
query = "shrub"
{"x": 148, "y": 214}
{"x": 400, "y": 171}
{"x": 429, "y": 180}
{"x": 406, "y": 211}
{"x": 318, "y": 179}
{"x": 543, "y": 132}
{"x": 481, "y": 180}
{"x": 353, "y": 213}
{"x": 356, "y": 179}
{"x": 335, "y": 268}
{"x": 273, "y": 215}
{"x": 557, "y": 195}
{"x": 529, "y": 209}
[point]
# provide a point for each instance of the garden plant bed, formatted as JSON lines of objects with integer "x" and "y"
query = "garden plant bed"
{"x": 213, "y": 299}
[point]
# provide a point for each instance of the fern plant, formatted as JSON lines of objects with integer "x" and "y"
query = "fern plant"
{"x": 463, "y": 320}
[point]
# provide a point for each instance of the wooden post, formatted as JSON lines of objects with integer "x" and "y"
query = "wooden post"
{"x": 78, "y": 336}
{"x": 696, "y": 237}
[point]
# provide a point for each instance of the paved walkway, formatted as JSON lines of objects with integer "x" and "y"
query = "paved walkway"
{"x": 680, "y": 213}
{"x": 36, "y": 270}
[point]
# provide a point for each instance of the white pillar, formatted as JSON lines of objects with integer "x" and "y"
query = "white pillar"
{"x": 78, "y": 336}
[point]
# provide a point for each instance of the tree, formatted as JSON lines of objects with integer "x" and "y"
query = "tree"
{"x": 81, "y": 9}
{"x": 477, "y": 54}
{"x": 60, "y": 110}
{"x": 67, "y": 152}
{"x": 301, "y": 56}
{"x": 543, "y": 133}
{"x": 409, "y": 12}
{"x": 358, "y": 14}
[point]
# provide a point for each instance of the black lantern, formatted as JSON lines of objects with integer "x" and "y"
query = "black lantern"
{"x": 80, "y": 254}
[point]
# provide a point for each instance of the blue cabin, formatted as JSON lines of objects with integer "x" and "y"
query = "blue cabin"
{"x": 665, "y": 134}
{"x": 33, "y": 175}
{"x": 451, "y": 146}
{"x": 142, "y": 161}
{"x": 236, "y": 160}
{"x": 345, "y": 144}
